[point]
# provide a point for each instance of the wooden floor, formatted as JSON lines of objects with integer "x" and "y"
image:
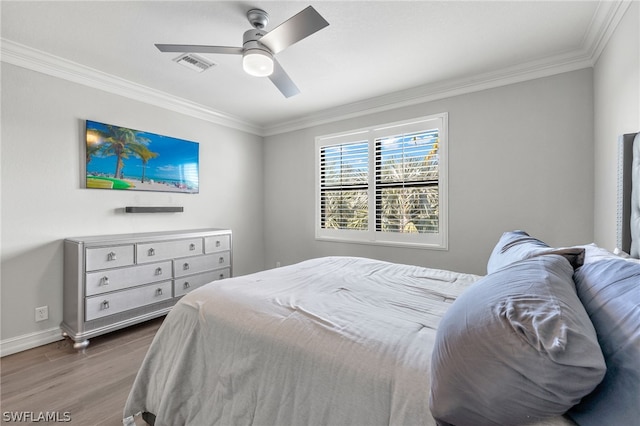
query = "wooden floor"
{"x": 90, "y": 387}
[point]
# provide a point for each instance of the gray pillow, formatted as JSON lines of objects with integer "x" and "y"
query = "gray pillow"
{"x": 516, "y": 347}
{"x": 518, "y": 245}
{"x": 511, "y": 247}
{"x": 610, "y": 292}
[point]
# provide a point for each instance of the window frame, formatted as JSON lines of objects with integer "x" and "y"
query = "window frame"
{"x": 435, "y": 241}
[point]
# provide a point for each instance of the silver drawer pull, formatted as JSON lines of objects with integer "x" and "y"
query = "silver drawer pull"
{"x": 186, "y": 285}
{"x": 159, "y": 292}
{"x": 192, "y": 246}
{"x": 105, "y": 305}
{"x": 111, "y": 256}
{"x": 221, "y": 276}
{"x": 158, "y": 271}
{"x": 151, "y": 252}
{"x": 218, "y": 243}
{"x": 185, "y": 267}
{"x": 104, "y": 280}
{"x": 221, "y": 259}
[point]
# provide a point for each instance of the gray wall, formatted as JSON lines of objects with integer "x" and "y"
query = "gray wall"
{"x": 617, "y": 111}
{"x": 520, "y": 157}
{"x": 43, "y": 202}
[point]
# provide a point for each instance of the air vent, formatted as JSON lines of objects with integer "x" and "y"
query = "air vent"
{"x": 194, "y": 62}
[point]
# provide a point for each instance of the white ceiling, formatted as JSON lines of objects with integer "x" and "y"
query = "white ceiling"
{"x": 373, "y": 53}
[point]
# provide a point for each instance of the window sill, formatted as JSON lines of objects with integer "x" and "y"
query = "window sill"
{"x": 413, "y": 245}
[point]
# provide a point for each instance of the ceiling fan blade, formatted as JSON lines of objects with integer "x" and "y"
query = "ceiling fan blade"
{"x": 282, "y": 81}
{"x": 195, "y": 48}
{"x": 294, "y": 29}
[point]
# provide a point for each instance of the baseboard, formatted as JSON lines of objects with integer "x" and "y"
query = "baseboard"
{"x": 29, "y": 341}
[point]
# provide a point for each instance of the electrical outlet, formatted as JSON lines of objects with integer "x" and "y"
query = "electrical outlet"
{"x": 277, "y": 264}
{"x": 42, "y": 313}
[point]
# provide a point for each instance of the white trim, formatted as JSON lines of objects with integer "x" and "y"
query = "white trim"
{"x": 29, "y": 341}
{"x": 603, "y": 25}
{"x": 36, "y": 60}
{"x": 432, "y": 92}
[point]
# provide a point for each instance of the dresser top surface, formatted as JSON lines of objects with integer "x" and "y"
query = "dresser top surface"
{"x": 148, "y": 236}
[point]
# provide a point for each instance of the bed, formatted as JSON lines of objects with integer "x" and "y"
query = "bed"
{"x": 355, "y": 341}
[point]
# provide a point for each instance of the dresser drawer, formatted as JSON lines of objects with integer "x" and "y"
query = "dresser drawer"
{"x": 118, "y": 279}
{"x": 194, "y": 265}
{"x": 217, "y": 243}
{"x": 222, "y": 259}
{"x": 109, "y": 257}
{"x": 185, "y": 284}
{"x": 120, "y": 301}
{"x": 153, "y": 252}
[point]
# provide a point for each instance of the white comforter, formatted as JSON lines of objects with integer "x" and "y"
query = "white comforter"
{"x": 330, "y": 341}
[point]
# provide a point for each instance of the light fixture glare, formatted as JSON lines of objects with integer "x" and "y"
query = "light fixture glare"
{"x": 258, "y": 63}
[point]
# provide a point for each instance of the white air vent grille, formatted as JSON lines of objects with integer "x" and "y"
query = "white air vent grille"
{"x": 194, "y": 62}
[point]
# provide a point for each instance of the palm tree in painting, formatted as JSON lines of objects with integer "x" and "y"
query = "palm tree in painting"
{"x": 121, "y": 142}
{"x": 143, "y": 152}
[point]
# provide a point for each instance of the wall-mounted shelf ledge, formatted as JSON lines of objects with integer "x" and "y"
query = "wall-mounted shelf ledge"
{"x": 169, "y": 209}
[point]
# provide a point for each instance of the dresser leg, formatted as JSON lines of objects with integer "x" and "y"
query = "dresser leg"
{"x": 81, "y": 345}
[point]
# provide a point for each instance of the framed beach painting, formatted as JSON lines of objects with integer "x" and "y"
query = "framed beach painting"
{"x": 126, "y": 159}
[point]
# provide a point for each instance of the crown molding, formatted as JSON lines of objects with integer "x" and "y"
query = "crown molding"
{"x": 605, "y": 20}
{"x": 26, "y": 57}
{"x": 432, "y": 92}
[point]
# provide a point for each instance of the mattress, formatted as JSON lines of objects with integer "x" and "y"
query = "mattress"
{"x": 329, "y": 341}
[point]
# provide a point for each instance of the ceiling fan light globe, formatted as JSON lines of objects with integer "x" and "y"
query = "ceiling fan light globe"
{"x": 257, "y": 63}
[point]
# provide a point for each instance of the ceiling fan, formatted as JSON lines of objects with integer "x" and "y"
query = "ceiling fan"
{"x": 259, "y": 47}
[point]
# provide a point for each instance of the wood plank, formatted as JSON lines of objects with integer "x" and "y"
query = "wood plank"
{"x": 91, "y": 386}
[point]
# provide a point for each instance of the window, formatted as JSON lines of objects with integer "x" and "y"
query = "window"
{"x": 384, "y": 184}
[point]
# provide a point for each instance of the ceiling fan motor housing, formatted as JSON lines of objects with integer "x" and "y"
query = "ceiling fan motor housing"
{"x": 251, "y": 41}
{"x": 257, "y": 58}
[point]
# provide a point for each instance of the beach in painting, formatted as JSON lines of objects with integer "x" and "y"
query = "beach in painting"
{"x": 106, "y": 182}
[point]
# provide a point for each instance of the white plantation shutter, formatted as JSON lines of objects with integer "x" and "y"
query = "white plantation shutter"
{"x": 344, "y": 184}
{"x": 407, "y": 182}
{"x": 384, "y": 184}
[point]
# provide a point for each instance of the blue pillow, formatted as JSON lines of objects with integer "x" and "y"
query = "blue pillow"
{"x": 515, "y": 347}
{"x": 610, "y": 292}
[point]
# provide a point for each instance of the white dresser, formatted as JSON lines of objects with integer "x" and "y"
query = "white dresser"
{"x": 113, "y": 281}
